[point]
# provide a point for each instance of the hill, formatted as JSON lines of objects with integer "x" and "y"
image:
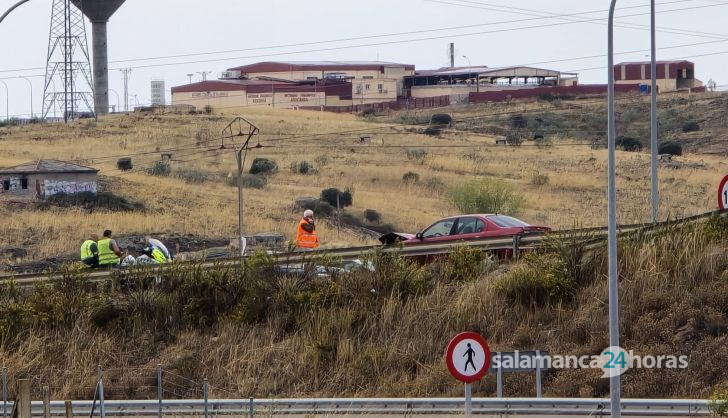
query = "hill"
{"x": 380, "y": 334}
{"x": 561, "y": 178}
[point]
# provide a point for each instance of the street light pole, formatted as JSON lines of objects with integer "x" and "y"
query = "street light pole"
{"x": 653, "y": 118}
{"x": 11, "y": 9}
{"x": 31, "y": 94}
{"x": 7, "y": 101}
{"x": 477, "y": 80}
{"x": 614, "y": 381}
{"x": 118, "y": 106}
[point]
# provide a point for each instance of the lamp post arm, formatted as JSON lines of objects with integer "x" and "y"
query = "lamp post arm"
{"x": 13, "y": 7}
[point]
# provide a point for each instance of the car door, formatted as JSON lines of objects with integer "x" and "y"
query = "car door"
{"x": 469, "y": 227}
{"x": 439, "y": 231}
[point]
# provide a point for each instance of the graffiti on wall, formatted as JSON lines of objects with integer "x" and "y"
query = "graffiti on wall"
{"x": 52, "y": 187}
{"x": 11, "y": 185}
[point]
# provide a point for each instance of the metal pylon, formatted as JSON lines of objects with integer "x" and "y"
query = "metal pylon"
{"x": 68, "y": 87}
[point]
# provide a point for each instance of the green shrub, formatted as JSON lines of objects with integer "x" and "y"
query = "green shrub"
{"x": 670, "y": 147}
{"x": 191, "y": 175}
{"x": 159, "y": 168}
{"x": 372, "y": 215}
{"x": 321, "y": 160}
{"x": 124, "y": 164}
{"x": 518, "y": 121}
{"x": 718, "y": 404}
{"x": 464, "y": 264}
{"x": 336, "y": 197}
{"x": 515, "y": 137}
{"x": 432, "y": 131}
{"x": 628, "y": 143}
{"x": 250, "y": 181}
{"x": 538, "y": 179}
{"x": 367, "y": 113}
{"x": 397, "y": 275}
{"x": 302, "y": 167}
{"x": 208, "y": 109}
{"x": 442, "y": 119}
{"x": 263, "y": 166}
{"x": 485, "y": 196}
{"x": 320, "y": 208}
{"x": 410, "y": 177}
{"x": 416, "y": 154}
{"x": 539, "y": 280}
{"x": 691, "y": 126}
{"x": 435, "y": 184}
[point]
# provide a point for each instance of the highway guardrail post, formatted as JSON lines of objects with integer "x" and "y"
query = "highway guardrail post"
{"x": 499, "y": 382}
{"x": 205, "y": 389}
{"x": 23, "y": 408}
{"x": 69, "y": 409}
{"x": 538, "y": 373}
{"x": 159, "y": 389}
{"x": 46, "y": 402}
{"x": 5, "y": 392}
{"x": 251, "y": 406}
{"x": 516, "y": 242}
{"x": 102, "y": 408}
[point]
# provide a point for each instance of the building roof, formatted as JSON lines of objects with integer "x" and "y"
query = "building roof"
{"x": 281, "y": 66}
{"x": 658, "y": 62}
{"x": 483, "y": 71}
{"x": 226, "y": 85}
{"x": 48, "y": 166}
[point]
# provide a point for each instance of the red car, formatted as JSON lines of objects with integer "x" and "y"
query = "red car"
{"x": 456, "y": 228}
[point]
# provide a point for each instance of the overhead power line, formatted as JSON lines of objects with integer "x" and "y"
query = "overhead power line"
{"x": 392, "y": 42}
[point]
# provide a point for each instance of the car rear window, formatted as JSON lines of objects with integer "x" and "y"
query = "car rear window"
{"x": 507, "y": 221}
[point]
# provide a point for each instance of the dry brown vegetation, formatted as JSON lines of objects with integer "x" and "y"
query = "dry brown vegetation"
{"x": 571, "y": 187}
{"x": 379, "y": 334}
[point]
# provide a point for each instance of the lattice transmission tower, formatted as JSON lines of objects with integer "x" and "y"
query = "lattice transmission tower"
{"x": 68, "y": 88}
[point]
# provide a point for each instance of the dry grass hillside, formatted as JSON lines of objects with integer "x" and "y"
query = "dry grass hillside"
{"x": 561, "y": 179}
{"x": 382, "y": 334}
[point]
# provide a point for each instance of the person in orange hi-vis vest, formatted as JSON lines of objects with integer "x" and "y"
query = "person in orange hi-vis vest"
{"x": 306, "y": 238}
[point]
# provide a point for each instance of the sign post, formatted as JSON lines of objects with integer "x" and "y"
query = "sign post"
{"x": 468, "y": 358}
{"x": 723, "y": 193}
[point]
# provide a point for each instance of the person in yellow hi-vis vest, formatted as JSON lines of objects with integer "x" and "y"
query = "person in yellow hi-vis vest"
{"x": 109, "y": 251}
{"x": 90, "y": 251}
{"x": 306, "y": 238}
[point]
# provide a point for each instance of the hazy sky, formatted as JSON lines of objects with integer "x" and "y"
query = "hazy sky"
{"x": 218, "y": 34}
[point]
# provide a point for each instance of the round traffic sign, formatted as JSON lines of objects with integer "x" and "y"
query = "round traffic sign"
{"x": 468, "y": 357}
{"x": 723, "y": 194}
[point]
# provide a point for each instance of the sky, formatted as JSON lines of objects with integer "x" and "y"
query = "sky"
{"x": 168, "y": 39}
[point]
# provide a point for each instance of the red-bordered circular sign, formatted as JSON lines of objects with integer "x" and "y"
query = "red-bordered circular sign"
{"x": 468, "y": 357}
{"x": 723, "y": 194}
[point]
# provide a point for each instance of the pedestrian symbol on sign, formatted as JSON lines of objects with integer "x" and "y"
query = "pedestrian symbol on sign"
{"x": 469, "y": 352}
{"x": 468, "y": 357}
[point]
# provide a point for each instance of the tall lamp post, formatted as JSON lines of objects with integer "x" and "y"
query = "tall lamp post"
{"x": 7, "y": 101}
{"x": 240, "y": 152}
{"x": 118, "y": 106}
{"x": 653, "y": 117}
{"x": 11, "y": 9}
{"x": 477, "y": 78}
{"x": 31, "y": 94}
{"x": 614, "y": 380}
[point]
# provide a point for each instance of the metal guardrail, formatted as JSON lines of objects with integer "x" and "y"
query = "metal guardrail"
{"x": 414, "y": 250}
{"x": 552, "y": 407}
